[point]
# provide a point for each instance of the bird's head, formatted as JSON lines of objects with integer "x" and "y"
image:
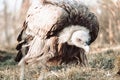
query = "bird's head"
{"x": 81, "y": 39}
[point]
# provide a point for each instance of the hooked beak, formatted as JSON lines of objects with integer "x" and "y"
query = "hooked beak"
{"x": 86, "y": 48}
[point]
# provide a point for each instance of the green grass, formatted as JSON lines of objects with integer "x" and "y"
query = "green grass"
{"x": 101, "y": 67}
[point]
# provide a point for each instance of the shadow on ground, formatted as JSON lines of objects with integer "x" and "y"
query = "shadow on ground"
{"x": 6, "y": 58}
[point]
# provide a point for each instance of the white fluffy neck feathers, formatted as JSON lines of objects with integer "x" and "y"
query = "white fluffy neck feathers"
{"x": 75, "y": 35}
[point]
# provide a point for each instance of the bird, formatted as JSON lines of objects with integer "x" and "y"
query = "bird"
{"x": 56, "y": 32}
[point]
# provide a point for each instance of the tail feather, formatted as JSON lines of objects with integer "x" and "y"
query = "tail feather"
{"x": 19, "y": 56}
{"x": 23, "y": 39}
{"x": 19, "y": 46}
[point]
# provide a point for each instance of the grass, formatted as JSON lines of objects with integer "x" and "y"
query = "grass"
{"x": 101, "y": 67}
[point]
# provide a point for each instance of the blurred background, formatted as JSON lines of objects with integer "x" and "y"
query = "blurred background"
{"x": 12, "y": 16}
{"x": 106, "y": 47}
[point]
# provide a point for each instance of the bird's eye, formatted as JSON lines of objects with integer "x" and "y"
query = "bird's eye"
{"x": 79, "y": 40}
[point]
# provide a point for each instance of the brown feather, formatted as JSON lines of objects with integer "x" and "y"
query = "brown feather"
{"x": 68, "y": 54}
{"x": 61, "y": 15}
{"x": 43, "y": 24}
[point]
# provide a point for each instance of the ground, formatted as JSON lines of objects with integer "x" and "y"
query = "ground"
{"x": 101, "y": 67}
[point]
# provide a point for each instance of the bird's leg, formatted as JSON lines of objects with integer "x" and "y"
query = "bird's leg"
{"x": 53, "y": 45}
{"x": 49, "y": 50}
{"x": 22, "y": 71}
{"x": 50, "y": 46}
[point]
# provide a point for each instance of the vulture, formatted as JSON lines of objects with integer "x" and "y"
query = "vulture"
{"x": 56, "y": 32}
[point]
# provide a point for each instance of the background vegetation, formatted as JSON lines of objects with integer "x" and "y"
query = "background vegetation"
{"x": 102, "y": 57}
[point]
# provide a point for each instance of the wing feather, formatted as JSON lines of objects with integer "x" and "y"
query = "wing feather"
{"x": 49, "y": 17}
{"x": 41, "y": 22}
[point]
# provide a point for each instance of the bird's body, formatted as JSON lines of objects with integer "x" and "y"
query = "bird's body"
{"x": 57, "y": 30}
